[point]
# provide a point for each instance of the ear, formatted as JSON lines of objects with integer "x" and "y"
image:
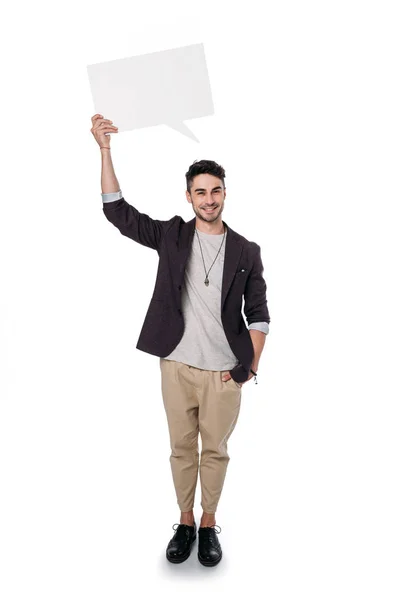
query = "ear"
{"x": 188, "y": 198}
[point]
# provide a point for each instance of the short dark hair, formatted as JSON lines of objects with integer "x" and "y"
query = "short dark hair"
{"x": 204, "y": 166}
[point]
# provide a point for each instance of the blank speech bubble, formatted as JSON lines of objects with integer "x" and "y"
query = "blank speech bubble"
{"x": 166, "y": 87}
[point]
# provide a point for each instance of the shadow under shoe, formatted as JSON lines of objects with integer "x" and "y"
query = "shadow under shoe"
{"x": 180, "y": 545}
{"x": 210, "y": 551}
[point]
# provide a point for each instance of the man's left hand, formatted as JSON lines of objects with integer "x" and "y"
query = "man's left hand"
{"x": 227, "y": 377}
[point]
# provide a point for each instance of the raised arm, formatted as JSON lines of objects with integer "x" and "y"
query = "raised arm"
{"x": 136, "y": 225}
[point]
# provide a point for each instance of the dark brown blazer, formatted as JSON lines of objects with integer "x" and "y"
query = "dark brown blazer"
{"x": 242, "y": 277}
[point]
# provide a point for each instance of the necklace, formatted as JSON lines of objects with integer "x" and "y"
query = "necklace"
{"x": 207, "y": 281}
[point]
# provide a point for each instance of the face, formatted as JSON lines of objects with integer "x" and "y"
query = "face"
{"x": 207, "y": 196}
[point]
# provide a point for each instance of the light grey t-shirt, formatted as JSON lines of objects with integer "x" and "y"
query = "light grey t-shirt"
{"x": 203, "y": 344}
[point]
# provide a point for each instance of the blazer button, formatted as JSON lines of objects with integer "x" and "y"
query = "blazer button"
{"x": 179, "y": 287}
{"x": 179, "y": 311}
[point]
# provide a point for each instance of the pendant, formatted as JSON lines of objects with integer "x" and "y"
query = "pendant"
{"x": 206, "y": 281}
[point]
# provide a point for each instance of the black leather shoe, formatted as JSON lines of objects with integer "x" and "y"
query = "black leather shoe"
{"x": 180, "y": 544}
{"x": 210, "y": 551}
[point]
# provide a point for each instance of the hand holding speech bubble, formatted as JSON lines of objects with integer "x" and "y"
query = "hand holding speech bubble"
{"x": 166, "y": 87}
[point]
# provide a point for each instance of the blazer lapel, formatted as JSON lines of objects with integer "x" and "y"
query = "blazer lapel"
{"x": 233, "y": 252}
{"x": 184, "y": 244}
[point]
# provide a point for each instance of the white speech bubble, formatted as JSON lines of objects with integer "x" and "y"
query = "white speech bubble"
{"x": 166, "y": 87}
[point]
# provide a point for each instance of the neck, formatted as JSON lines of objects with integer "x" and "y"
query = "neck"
{"x": 215, "y": 228}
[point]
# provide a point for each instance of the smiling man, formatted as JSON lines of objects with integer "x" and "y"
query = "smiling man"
{"x": 194, "y": 324}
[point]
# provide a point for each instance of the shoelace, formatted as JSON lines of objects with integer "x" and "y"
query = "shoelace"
{"x": 210, "y": 537}
{"x": 209, "y": 532}
{"x": 177, "y": 525}
{"x": 184, "y": 530}
{"x": 213, "y": 527}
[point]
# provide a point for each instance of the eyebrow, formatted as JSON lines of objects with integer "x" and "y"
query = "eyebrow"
{"x": 203, "y": 189}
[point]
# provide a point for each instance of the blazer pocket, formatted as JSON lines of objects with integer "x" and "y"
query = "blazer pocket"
{"x": 240, "y": 278}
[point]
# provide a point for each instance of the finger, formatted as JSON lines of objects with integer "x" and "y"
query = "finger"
{"x": 103, "y": 123}
{"x": 99, "y": 121}
{"x": 95, "y": 117}
{"x": 107, "y": 128}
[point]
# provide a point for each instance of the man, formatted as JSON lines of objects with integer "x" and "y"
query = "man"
{"x": 194, "y": 324}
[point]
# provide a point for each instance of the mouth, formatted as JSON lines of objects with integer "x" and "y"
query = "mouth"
{"x": 209, "y": 210}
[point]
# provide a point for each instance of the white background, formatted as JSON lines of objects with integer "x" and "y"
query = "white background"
{"x": 306, "y": 125}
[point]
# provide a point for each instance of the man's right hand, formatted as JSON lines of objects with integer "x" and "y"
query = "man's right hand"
{"x": 101, "y": 126}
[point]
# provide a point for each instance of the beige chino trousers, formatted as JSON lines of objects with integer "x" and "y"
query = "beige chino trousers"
{"x": 198, "y": 401}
